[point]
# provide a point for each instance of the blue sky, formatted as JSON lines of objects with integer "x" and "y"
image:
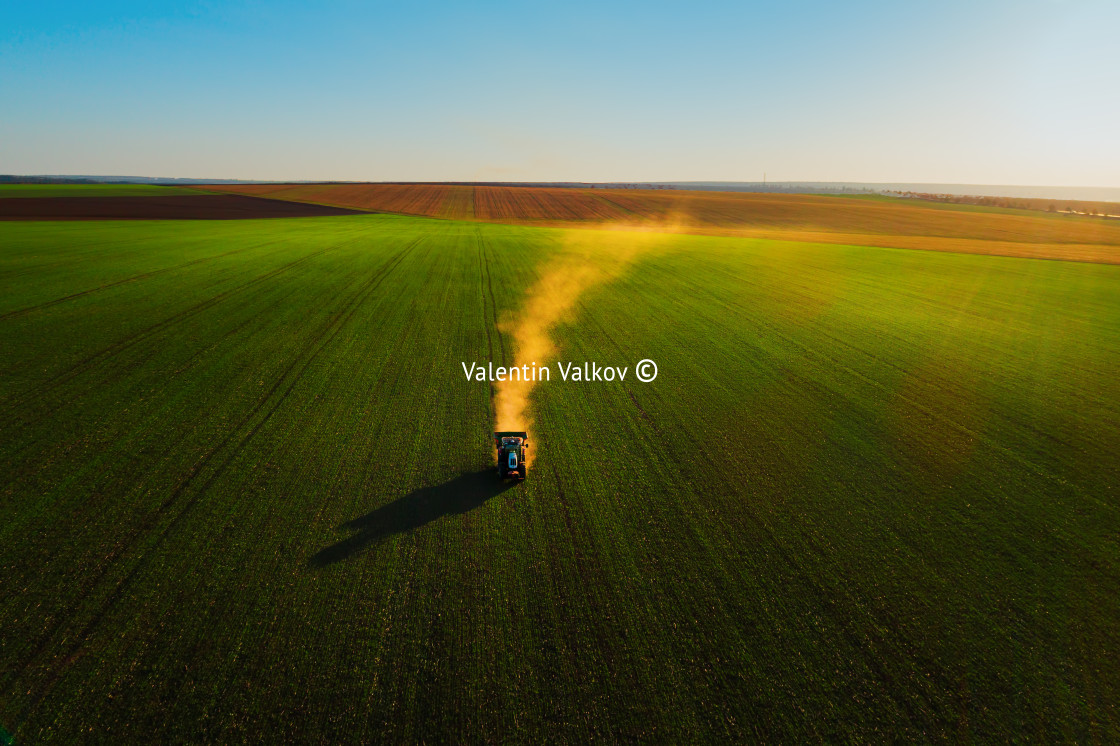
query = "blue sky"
{"x": 979, "y": 92}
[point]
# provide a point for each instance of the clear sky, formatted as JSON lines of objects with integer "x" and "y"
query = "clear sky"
{"x": 980, "y": 91}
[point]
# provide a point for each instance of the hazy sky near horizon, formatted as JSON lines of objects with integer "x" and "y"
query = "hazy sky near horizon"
{"x": 983, "y": 92}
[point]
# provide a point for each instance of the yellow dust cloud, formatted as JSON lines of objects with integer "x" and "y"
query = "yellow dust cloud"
{"x": 587, "y": 259}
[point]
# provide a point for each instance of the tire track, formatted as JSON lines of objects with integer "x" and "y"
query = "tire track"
{"x": 121, "y": 345}
{"x": 602, "y": 331}
{"x": 592, "y": 574}
{"x": 302, "y": 361}
{"x": 16, "y": 426}
{"x": 485, "y": 322}
{"x": 134, "y": 278}
{"x": 493, "y": 304}
{"x": 85, "y": 255}
{"x": 844, "y": 611}
{"x": 492, "y": 321}
{"x": 482, "y": 278}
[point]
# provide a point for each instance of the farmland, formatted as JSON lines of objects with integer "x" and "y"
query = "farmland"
{"x": 246, "y": 492}
{"x": 92, "y": 190}
{"x": 861, "y": 221}
{"x": 198, "y": 206}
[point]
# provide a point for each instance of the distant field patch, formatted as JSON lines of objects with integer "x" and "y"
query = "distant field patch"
{"x": 886, "y": 222}
{"x": 92, "y": 190}
{"x": 179, "y": 207}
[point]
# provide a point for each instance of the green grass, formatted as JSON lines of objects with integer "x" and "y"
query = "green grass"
{"x": 247, "y": 494}
{"x": 92, "y": 190}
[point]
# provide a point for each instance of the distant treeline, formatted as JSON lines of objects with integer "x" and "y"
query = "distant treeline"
{"x": 159, "y": 180}
{"x": 8, "y": 179}
{"x": 1071, "y": 206}
{"x": 777, "y": 188}
{"x": 784, "y": 187}
{"x": 534, "y": 184}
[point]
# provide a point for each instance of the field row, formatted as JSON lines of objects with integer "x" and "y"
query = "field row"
{"x": 247, "y": 494}
{"x": 12, "y": 191}
{"x": 826, "y": 219}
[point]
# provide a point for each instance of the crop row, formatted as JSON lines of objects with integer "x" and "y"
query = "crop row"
{"x": 247, "y": 494}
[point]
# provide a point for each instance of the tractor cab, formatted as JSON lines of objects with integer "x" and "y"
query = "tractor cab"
{"x": 511, "y": 448}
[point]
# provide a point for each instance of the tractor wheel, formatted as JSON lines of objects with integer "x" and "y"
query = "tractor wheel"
{"x": 523, "y": 471}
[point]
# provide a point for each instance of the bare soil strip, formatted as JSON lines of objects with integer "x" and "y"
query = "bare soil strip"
{"x": 179, "y": 207}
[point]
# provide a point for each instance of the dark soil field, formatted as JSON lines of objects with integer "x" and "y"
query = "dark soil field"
{"x": 176, "y": 207}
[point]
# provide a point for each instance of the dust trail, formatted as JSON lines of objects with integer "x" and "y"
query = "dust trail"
{"x": 587, "y": 259}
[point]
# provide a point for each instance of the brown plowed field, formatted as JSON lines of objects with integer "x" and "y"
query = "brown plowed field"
{"x": 184, "y": 207}
{"x": 826, "y": 219}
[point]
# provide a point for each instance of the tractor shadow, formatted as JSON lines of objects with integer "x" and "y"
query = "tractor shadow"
{"x": 415, "y": 510}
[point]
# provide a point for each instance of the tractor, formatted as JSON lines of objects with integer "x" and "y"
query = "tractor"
{"x": 512, "y": 447}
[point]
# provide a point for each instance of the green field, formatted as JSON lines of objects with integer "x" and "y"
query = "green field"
{"x": 246, "y": 493}
{"x": 92, "y": 190}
